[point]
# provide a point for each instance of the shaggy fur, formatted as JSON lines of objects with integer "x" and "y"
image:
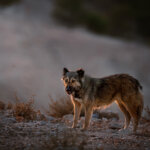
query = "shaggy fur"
{"x": 100, "y": 92}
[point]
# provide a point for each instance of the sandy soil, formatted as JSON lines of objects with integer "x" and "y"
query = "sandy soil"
{"x": 55, "y": 133}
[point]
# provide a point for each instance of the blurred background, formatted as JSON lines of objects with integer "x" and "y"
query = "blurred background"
{"x": 40, "y": 37}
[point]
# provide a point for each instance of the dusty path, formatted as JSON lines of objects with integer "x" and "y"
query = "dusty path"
{"x": 57, "y": 134}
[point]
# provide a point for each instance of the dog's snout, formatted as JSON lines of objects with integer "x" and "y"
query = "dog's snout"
{"x": 68, "y": 88}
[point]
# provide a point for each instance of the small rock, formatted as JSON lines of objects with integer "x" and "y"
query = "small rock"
{"x": 10, "y": 120}
{"x": 96, "y": 115}
{"x": 68, "y": 117}
{"x": 95, "y": 120}
{"x": 114, "y": 125}
{"x": 43, "y": 123}
{"x": 50, "y": 118}
{"x": 104, "y": 119}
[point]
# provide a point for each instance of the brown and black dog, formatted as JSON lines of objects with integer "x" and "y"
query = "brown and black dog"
{"x": 94, "y": 93}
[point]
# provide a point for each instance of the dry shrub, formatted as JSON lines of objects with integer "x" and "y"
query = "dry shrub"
{"x": 146, "y": 118}
{"x": 24, "y": 111}
{"x": 145, "y": 122}
{"x": 147, "y": 109}
{"x": 60, "y": 107}
{"x": 9, "y": 106}
{"x": 40, "y": 116}
{"x": 2, "y": 105}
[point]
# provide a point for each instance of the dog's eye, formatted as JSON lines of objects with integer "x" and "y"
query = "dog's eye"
{"x": 66, "y": 80}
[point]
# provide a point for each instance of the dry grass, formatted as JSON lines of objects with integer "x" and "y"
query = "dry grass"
{"x": 25, "y": 111}
{"x": 60, "y": 107}
{"x": 9, "y": 105}
{"x": 145, "y": 123}
{"x": 2, "y": 105}
{"x": 146, "y": 118}
{"x": 147, "y": 109}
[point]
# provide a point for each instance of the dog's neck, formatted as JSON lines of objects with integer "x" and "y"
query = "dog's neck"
{"x": 77, "y": 94}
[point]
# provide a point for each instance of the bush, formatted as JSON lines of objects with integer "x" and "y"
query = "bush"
{"x": 9, "y": 106}
{"x": 146, "y": 117}
{"x": 72, "y": 13}
{"x": 68, "y": 12}
{"x": 95, "y": 22}
{"x": 25, "y": 111}
{"x": 2, "y": 105}
{"x": 60, "y": 107}
{"x": 118, "y": 18}
{"x": 8, "y": 2}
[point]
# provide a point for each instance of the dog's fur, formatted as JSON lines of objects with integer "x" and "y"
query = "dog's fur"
{"x": 98, "y": 92}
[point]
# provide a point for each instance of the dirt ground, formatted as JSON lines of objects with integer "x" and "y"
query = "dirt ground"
{"x": 53, "y": 133}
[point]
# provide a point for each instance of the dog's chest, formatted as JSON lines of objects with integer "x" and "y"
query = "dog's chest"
{"x": 78, "y": 100}
{"x": 77, "y": 96}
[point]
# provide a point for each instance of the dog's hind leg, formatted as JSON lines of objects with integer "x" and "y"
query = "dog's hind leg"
{"x": 126, "y": 114}
{"x": 134, "y": 105}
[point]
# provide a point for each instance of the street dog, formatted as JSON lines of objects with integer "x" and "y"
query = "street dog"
{"x": 93, "y": 93}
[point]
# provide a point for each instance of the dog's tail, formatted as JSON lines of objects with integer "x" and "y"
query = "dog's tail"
{"x": 137, "y": 84}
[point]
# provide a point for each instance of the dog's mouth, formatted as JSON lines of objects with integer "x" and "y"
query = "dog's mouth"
{"x": 69, "y": 90}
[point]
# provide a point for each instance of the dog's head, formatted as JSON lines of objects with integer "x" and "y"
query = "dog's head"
{"x": 72, "y": 80}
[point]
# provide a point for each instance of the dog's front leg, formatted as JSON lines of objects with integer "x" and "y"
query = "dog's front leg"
{"x": 77, "y": 111}
{"x": 88, "y": 115}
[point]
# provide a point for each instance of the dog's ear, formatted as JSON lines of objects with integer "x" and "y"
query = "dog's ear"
{"x": 65, "y": 70}
{"x": 80, "y": 72}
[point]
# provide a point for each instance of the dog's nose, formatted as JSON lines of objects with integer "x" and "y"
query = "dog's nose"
{"x": 68, "y": 88}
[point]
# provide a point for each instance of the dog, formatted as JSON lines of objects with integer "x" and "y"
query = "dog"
{"x": 93, "y": 93}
